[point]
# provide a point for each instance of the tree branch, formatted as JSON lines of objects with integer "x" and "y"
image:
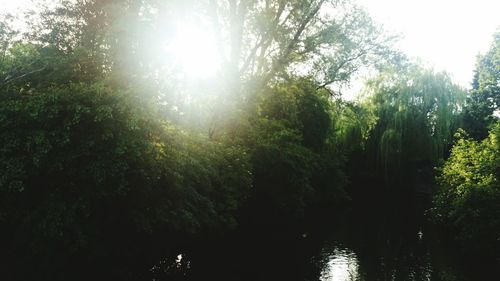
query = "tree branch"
{"x": 9, "y": 79}
{"x": 281, "y": 60}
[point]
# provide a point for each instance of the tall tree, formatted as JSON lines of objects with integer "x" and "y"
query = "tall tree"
{"x": 259, "y": 43}
{"x": 484, "y": 97}
{"x": 264, "y": 41}
{"x": 416, "y": 113}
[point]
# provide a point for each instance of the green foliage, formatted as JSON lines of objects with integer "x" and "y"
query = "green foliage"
{"x": 416, "y": 112}
{"x": 488, "y": 70}
{"x": 301, "y": 106}
{"x": 282, "y": 168}
{"x": 259, "y": 43}
{"x": 264, "y": 39}
{"x": 353, "y": 124}
{"x": 29, "y": 67}
{"x": 86, "y": 163}
{"x": 7, "y": 34}
{"x": 100, "y": 160}
{"x": 469, "y": 198}
{"x": 295, "y": 159}
{"x": 484, "y": 98}
{"x": 470, "y": 193}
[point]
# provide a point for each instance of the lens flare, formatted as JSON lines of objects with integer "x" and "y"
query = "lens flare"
{"x": 193, "y": 49}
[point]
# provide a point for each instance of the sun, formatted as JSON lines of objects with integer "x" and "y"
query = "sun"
{"x": 193, "y": 49}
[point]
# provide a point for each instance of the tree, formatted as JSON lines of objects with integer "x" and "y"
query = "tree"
{"x": 417, "y": 112}
{"x": 101, "y": 168}
{"x": 259, "y": 43}
{"x": 296, "y": 162}
{"x": 484, "y": 98}
{"x": 469, "y": 195}
{"x": 7, "y": 35}
{"x": 468, "y": 201}
{"x": 270, "y": 40}
{"x": 92, "y": 179}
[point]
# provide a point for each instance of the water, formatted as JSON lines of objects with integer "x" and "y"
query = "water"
{"x": 388, "y": 244}
{"x": 370, "y": 253}
{"x": 395, "y": 243}
{"x": 342, "y": 265}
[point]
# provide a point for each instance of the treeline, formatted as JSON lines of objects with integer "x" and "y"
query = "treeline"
{"x": 469, "y": 199}
{"x": 430, "y": 136}
{"x": 111, "y": 158}
{"x": 414, "y": 113}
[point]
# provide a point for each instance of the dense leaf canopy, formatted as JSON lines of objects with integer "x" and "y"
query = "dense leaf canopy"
{"x": 113, "y": 156}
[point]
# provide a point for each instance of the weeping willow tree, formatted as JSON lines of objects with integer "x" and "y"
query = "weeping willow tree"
{"x": 417, "y": 112}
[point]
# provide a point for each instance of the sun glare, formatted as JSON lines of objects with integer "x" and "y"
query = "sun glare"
{"x": 193, "y": 49}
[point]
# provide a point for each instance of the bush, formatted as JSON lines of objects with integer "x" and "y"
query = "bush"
{"x": 469, "y": 199}
{"x": 91, "y": 178}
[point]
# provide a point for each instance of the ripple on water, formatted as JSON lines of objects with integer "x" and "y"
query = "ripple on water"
{"x": 342, "y": 265}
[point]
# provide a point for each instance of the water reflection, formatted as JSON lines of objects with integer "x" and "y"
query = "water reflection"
{"x": 342, "y": 266}
{"x": 366, "y": 246}
{"x": 385, "y": 256}
{"x": 388, "y": 246}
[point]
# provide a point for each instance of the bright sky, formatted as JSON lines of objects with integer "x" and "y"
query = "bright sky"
{"x": 445, "y": 34}
{"x": 12, "y": 5}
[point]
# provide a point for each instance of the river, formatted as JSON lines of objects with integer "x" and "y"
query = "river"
{"x": 393, "y": 243}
